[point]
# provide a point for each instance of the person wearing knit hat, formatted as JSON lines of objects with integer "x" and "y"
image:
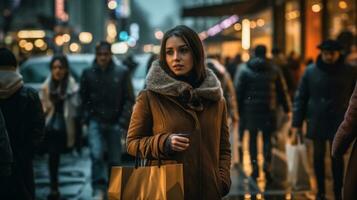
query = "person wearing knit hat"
{"x": 24, "y": 122}
{"x": 10, "y": 80}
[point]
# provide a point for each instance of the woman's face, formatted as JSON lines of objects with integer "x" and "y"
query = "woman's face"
{"x": 178, "y": 56}
{"x": 58, "y": 70}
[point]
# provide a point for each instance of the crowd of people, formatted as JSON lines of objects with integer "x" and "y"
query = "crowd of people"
{"x": 185, "y": 114}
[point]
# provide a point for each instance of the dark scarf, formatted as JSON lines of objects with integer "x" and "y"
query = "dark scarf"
{"x": 58, "y": 90}
{"x": 330, "y": 67}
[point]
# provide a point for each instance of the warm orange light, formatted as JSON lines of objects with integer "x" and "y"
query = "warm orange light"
{"x": 237, "y": 27}
{"x": 59, "y": 40}
{"x": 316, "y": 8}
{"x": 28, "y": 46}
{"x": 260, "y": 22}
{"x": 253, "y": 24}
{"x": 342, "y": 4}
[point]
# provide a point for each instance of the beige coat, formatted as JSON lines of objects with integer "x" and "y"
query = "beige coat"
{"x": 70, "y": 107}
{"x": 158, "y": 113}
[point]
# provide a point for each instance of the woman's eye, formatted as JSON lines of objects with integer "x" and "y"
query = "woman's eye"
{"x": 169, "y": 52}
{"x": 184, "y": 50}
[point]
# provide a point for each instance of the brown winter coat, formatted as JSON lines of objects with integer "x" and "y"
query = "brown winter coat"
{"x": 346, "y": 134}
{"x": 157, "y": 114}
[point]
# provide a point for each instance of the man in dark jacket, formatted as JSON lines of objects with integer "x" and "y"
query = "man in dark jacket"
{"x": 107, "y": 99}
{"x": 24, "y": 121}
{"x": 260, "y": 89}
{"x": 322, "y": 99}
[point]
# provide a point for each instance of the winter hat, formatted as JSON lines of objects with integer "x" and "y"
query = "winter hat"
{"x": 7, "y": 58}
{"x": 260, "y": 51}
{"x": 330, "y": 45}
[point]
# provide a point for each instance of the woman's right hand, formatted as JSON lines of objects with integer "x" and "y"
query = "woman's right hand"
{"x": 179, "y": 142}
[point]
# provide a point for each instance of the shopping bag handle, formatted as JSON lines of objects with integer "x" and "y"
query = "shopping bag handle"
{"x": 138, "y": 157}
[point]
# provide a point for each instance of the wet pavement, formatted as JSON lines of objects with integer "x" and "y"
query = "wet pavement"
{"x": 74, "y": 176}
{"x": 75, "y": 173}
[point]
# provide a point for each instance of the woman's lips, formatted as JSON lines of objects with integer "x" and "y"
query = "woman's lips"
{"x": 178, "y": 67}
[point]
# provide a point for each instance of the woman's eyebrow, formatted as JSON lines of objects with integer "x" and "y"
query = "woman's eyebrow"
{"x": 181, "y": 46}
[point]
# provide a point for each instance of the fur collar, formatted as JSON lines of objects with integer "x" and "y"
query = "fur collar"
{"x": 160, "y": 82}
{"x": 72, "y": 86}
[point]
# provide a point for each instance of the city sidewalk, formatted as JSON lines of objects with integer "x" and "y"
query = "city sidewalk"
{"x": 74, "y": 176}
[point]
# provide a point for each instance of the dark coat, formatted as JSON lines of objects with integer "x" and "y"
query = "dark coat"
{"x": 25, "y": 125}
{"x": 260, "y": 89}
{"x": 107, "y": 96}
{"x": 322, "y": 98}
{"x": 345, "y": 135}
{"x": 158, "y": 113}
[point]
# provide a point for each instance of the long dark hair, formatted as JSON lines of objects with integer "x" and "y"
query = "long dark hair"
{"x": 58, "y": 88}
{"x": 192, "y": 40}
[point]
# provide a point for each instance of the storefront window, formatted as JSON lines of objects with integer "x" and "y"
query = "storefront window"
{"x": 293, "y": 27}
{"x": 342, "y": 16}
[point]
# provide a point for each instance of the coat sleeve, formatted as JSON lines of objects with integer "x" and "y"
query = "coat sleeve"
{"x": 225, "y": 155}
{"x": 300, "y": 101}
{"x": 282, "y": 91}
{"x": 347, "y": 131}
{"x": 36, "y": 120}
{"x": 140, "y": 136}
{"x": 129, "y": 99}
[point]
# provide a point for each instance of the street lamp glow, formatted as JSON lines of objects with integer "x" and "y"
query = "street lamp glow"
{"x": 316, "y": 8}
{"x": 85, "y": 37}
{"x": 39, "y": 43}
{"x": 74, "y": 47}
{"x": 119, "y": 48}
{"x": 342, "y": 4}
{"x": 237, "y": 27}
{"x": 253, "y": 24}
{"x": 66, "y": 37}
{"x": 260, "y": 22}
{"x": 59, "y": 40}
{"x": 22, "y": 43}
{"x": 112, "y": 5}
{"x": 159, "y": 35}
{"x": 31, "y": 34}
{"x": 246, "y": 34}
{"x": 28, "y": 46}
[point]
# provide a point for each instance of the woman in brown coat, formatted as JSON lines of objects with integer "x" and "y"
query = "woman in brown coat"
{"x": 346, "y": 134}
{"x": 184, "y": 97}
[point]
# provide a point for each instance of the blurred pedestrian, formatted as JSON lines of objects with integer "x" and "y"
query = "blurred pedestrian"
{"x": 260, "y": 90}
{"x": 181, "y": 117}
{"x": 107, "y": 98}
{"x": 227, "y": 87}
{"x": 130, "y": 63}
{"x": 322, "y": 99}
{"x": 280, "y": 61}
{"x": 345, "y": 135}
{"x": 231, "y": 101}
{"x": 294, "y": 64}
{"x": 24, "y": 122}
{"x": 59, "y": 96}
{"x": 233, "y": 65}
